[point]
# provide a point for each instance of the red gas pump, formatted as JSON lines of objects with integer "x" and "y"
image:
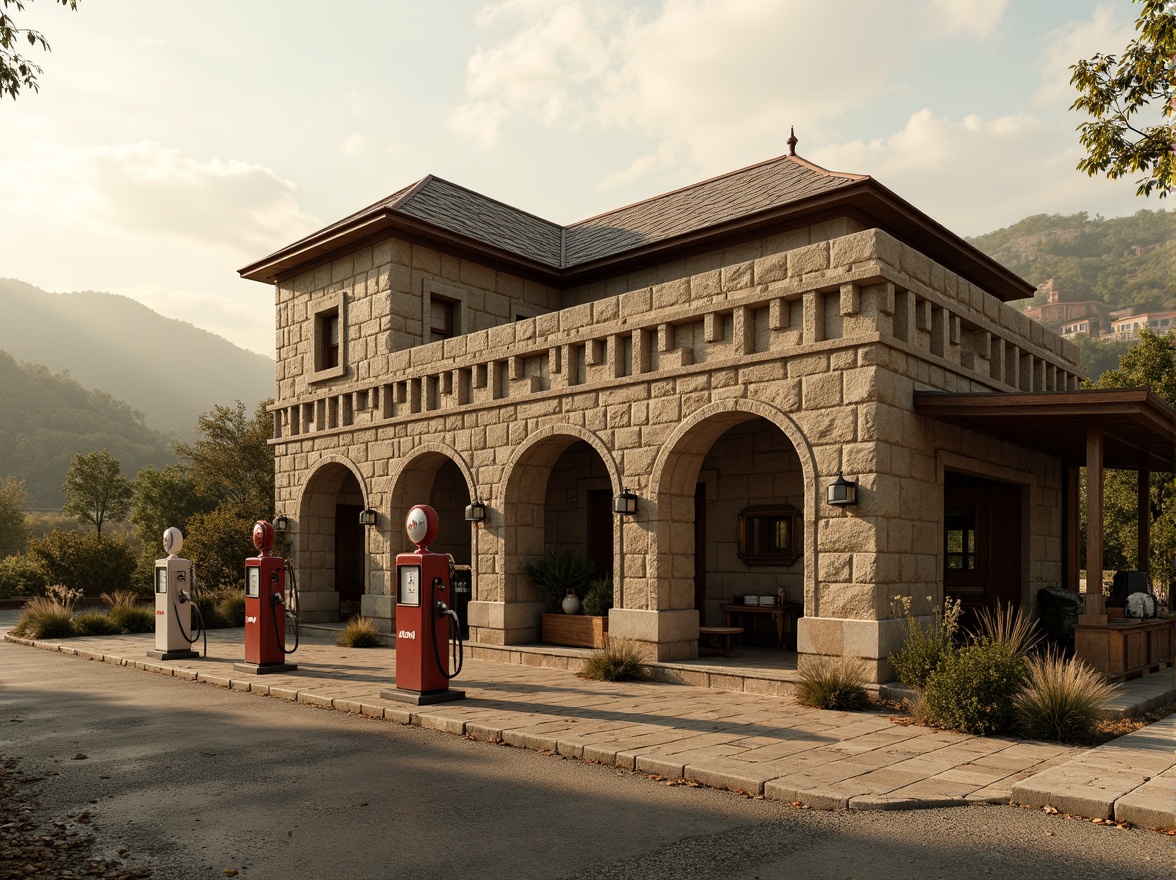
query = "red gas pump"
{"x": 265, "y": 608}
{"x": 424, "y": 620}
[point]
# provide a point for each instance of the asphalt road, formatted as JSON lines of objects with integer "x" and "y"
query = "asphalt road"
{"x": 196, "y": 781}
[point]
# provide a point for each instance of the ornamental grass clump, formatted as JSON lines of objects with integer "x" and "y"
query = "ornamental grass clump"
{"x": 926, "y": 645}
{"x": 1062, "y": 699}
{"x": 94, "y": 623}
{"x": 125, "y": 614}
{"x": 972, "y": 690}
{"x": 832, "y": 683}
{"x": 618, "y": 660}
{"x": 360, "y": 632}
{"x": 1009, "y": 626}
{"x": 49, "y": 616}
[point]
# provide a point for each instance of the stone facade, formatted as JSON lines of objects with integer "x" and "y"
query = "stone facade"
{"x": 761, "y": 370}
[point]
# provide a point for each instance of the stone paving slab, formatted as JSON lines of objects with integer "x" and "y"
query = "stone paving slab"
{"x": 763, "y": 745}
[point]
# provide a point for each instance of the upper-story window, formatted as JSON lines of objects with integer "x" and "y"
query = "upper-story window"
{"x": 442, "y": 321}
{"x": 329, "y": 329}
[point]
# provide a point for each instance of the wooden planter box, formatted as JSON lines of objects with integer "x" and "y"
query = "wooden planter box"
{"x": 574, "y": 630}
{"x": 1125, "y": 650}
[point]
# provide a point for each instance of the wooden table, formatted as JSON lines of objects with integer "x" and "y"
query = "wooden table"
{"x": 784, "y": 616}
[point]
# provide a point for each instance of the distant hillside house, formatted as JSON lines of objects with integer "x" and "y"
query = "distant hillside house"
{"x": 1067, "y": 318}
{"x": 1129, "y": 325}
{"x": 728, "y": 353}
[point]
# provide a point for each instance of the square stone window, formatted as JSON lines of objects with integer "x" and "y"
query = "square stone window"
{"x": 769, "y": 534}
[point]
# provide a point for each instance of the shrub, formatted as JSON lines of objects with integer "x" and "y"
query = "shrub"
{"x": 927, "y": 644}
{"x": 1009, "y": 627}
{"x": 218, "y": 544}
{"x": 121, "y": 599}
{"x": 94, "y": 623}
{"x": 1062, "y": 699}
{"x": 360, "y": 632}
{"x": 45, "y": 618}
{"x": 130, "y": 619}
{"x": 230, "y": 607}
{"x": 85, "y": 562}
{"x": 618, "y": 660}
{"x": 599, "y": 597}
{"x": 558, "y": 573}
{"x": 21, "y": 576}
{"x": 832, "y": 683}
{"x": 972, "y": 689}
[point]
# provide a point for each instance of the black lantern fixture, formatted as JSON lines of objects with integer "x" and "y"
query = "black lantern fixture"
{"x": 625, "y": 504}
{"x": 367, "y": 517}
{"x": 475, "y": 512}
{"x": 281, "y": 523}
{"x": 841, "y": 492}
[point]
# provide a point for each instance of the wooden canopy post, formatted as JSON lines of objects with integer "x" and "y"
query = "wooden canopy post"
{"x": 1071, "y": 526}
{"x": 1144, "y": 514}
{"x": 1094, "y": 510}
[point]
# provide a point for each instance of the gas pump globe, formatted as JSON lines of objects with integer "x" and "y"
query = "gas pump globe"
{"x": 425, "y": 623}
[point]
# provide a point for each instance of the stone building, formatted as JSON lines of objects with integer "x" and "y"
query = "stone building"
{"x": 724, "y": 352}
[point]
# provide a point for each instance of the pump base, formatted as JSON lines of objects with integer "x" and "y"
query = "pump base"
{"x": 265, "y": 668}
{"x": 180, "y": 654}
{"x": 421, "y": 698}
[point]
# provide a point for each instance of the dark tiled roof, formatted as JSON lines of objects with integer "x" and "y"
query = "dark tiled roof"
{"x": 699, "y": 206}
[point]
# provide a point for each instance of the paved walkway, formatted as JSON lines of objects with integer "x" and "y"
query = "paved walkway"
{"x": 761, "y": 745}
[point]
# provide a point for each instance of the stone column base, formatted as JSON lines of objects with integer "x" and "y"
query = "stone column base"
{"x": 661, "y": 635}
{"x": 505, "y": 623}
{"x": 870, "y": 641}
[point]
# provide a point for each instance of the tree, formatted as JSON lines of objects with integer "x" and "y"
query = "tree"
{"x": 1116, "y": 91}
{"x": 14, "y": 526}
{"x": 232, "y": 460}
{"x": 162, "y": 499}
{"x": 95, "y": 489}
{"x": 17, "y": 72}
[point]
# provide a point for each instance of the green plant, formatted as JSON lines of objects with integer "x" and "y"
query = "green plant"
{"x": 618, "y": 660}
{"x": 1010, "y": 627}
{"x": 972, "y": 689}
{"x": 86, "y": 562}
{"x": 94, "y": 623}
{"x": 558, "y": 573}
{"x": 45, "y": 618}
{"x": 926, "y": 645}
{"x": 598, "y": 598}
{"x": 131, "y": 619}
{"x": 230, "y": 607}
{"x": 1062, "y": 699}
{"x": 360, "y": 632}
{"x": 21, "y": 576}
{"x": 832, "y": 683}
{"x": 121, "y": 599}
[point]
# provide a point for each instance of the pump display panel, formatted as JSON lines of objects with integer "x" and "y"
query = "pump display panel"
{"x": 409, "y": 592}
{"x": 161, "y": 580}
{"x": 253, "y": 584}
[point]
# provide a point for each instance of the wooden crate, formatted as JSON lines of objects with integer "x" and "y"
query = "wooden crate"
{"x": 574, "y": 630}
{"x": 1125, "y": 650}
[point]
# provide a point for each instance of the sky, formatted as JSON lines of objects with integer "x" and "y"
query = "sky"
{"x": 170, "y": 144}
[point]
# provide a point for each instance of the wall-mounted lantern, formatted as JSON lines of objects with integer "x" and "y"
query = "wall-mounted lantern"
{"x": 625, "y": 504}
{"x": 281, "y": 523}
{"x": 475, "y": 512}
{"x": 841, "y": 492}
{"x": 367, "y": 517}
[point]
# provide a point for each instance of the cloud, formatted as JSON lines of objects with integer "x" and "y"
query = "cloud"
{"x": 1108, "y": 31}
{"x": 697, "y": 79}
{"x": 354, "y": 143}
{"x": 950, "y": 169}
{"x": 148, "y": 188}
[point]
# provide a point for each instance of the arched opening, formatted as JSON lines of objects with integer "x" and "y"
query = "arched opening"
{"x": 434, "y": 479}
{"x": 331, "y": 551}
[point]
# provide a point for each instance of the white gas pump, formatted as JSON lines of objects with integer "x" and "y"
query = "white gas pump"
{"x": 173, "y": 602}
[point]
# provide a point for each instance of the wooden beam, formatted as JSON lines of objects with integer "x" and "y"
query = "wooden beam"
{"x": 1094, "y": 508}
{"x": 1144, "y": 514}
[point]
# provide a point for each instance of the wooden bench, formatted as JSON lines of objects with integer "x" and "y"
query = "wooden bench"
{"x": 718, "y": 635}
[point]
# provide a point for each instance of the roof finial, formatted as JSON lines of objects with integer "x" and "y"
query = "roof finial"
{"x": 792, "y": 140}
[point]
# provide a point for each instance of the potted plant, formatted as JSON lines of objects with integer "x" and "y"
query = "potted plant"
{"x": 565, "y": 579}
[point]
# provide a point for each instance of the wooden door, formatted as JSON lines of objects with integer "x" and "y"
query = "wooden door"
{"x": 349, "y": 549}
{"x": 982, "y": 544}
{"x": 599, "y": 548}
{"x": 700, "y": 552}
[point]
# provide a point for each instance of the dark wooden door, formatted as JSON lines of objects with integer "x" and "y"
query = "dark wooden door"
{"x": 348, "y": 552}
{"x": 982, "y": 544}
{"x": 700, "y": 552}
{"x": 600, "y": 531}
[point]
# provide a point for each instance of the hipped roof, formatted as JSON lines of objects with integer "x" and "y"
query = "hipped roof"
{"x": 781, "y": 193}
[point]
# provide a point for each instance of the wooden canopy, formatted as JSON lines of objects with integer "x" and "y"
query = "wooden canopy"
{"x": 1127, "y": 429}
